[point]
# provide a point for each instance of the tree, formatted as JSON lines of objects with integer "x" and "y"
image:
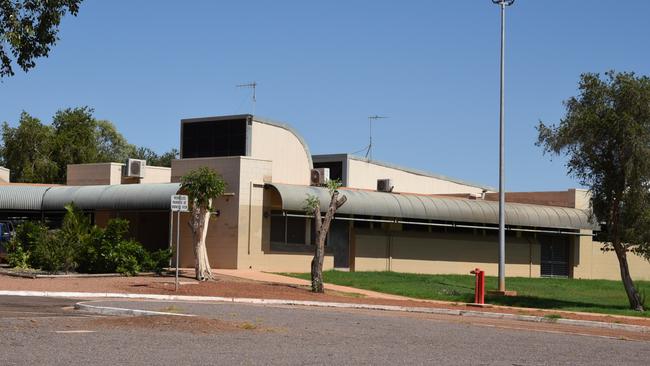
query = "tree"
{"x": 75, "y": 138}
{"x": 41, "y": 153}
{"x": 111, "y": 145}
{"x": 606, "y": 136}
{"x": 28, "y": 29}
{"x": 203, "y": 186}
{"x": 153, "y": 158}
{"x": 27, "y": 151}
{"x": 312, "y": 207}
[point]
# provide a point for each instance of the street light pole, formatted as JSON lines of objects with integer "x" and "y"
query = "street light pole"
{"x": 502, "y": 194}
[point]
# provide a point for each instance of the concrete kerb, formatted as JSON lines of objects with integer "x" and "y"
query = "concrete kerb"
{"x": 470, "y": 313}
{"x": 107, "y": 310}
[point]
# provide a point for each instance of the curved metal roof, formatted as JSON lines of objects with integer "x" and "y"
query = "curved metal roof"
{"x": 112, "y": 197}
{"x": 21, "y": 198}
{"x": 425, "y": 207}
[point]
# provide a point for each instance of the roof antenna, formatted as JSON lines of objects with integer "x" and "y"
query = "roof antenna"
{"x": 253, "y": 86}
{"x": 370, "y": 120}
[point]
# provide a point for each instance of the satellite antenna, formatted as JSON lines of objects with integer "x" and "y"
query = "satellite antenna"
{"x": 252, "y": 86}
{"x": 370, "y": 120}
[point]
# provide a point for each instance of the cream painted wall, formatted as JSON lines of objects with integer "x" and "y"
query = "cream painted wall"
{"x": 439, "y": 253}
{"x": 290, "y": 160}
{"x": 156, "y": 174}
{"x": 223, "y": 235}
{"x": 254, "y": 233}
{"x": 4, "y": 175}
{"x": 364, "y": 175}
{"x": 594, "y": 263}
{"x": 581, "y": 200}
{"x": 94, "y": 174}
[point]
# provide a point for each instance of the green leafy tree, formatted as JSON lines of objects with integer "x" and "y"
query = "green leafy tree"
{"x": 41, "y": 153}
{"x": 153, "y": 158}
{"x": 27, "y": 151}
{"x": 312, "y": 206}
{"x": 28, "y": 29}
{"x": 606, "y": 136}
{"x": 203, "y": 186}
{"x": 75, "y": 133}
{"x": 112, "y": 146}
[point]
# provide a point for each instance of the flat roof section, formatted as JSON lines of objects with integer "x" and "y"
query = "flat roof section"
{"x": 340, "y": 157}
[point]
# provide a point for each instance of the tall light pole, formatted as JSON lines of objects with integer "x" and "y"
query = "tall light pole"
{"x": 502, "y": 194}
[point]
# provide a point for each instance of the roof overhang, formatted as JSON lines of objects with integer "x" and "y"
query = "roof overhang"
{"x": 435, "y": 208}
{"x": 101, "y": 197}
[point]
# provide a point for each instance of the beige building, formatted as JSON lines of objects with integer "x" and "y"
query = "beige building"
{"x": 395, "y": 219}
{"x": 114, "y": 173}
{"x": 4, "y": 175}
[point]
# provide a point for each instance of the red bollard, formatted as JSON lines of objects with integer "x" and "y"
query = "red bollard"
{"x": 479, "y": 286}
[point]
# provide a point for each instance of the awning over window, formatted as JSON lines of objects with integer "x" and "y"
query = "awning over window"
{"x": 436, "y": 208}
{"x": 103, "y": 197}
{"x": 21, "y": 197}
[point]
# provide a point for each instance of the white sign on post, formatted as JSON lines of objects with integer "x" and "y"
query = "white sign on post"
{"x": 180, "y": 203}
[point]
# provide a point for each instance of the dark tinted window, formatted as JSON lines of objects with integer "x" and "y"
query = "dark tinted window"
{"x": 214, "y": 138}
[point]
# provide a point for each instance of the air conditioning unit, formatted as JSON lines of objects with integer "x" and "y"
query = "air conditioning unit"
{"x": 135, "y": 168}
{"x": 320, "y": 176}
{"x": 385, "y": 185}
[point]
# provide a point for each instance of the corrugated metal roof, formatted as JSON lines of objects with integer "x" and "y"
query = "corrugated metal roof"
{"x": 21, "y": 197}
{"x": 112, "y": 197}
{"x": 411, "y": 206}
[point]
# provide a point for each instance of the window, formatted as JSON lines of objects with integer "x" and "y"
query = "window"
{"x": 214, "y": 138}
{"x": 289, "y": 233}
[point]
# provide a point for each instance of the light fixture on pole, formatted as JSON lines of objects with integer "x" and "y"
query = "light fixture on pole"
{"x": 502, "y": 201}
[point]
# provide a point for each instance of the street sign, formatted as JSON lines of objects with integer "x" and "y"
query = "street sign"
{"x": 180, "y": 202}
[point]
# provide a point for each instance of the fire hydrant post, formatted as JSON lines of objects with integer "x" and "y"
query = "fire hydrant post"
{"x": 479, "y": 286}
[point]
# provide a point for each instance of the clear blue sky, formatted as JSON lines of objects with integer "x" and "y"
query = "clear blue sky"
{"x": 323, "y": 67}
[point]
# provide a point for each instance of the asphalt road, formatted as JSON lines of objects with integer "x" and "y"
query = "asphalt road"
{"x": 36, "y": 307}
{"x": 236, "y": 334}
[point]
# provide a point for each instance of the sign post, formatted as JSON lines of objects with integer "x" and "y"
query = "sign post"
{"x": 179, "y": 203}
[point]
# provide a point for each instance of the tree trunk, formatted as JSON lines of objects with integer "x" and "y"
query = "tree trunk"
{"x": 319, "y": 254}
{"x": 630, "y": 290}
{"x": 322, "y": 228}
{"x": 199, "y": 223}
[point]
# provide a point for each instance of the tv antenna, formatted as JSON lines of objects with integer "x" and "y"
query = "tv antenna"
{"x": 252, "y": 86}
{"x": 370, "y": 120}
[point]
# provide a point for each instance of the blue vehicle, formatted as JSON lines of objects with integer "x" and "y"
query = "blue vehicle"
{"x": 6, "y": 232}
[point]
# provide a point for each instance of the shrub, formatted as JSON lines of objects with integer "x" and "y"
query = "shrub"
{"x": 110, "y": 250}
{"x": 53, "y": 253}
{"x": 80, "y": 246}
{"x": 27, "y": 235}
{"x": 59, "y": 250}
{"x": 159, "y": 260}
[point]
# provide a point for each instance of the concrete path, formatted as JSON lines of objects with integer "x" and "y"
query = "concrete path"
{"x": 275, "y": 278}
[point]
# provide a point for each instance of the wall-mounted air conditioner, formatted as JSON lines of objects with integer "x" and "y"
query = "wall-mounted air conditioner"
{"x": 135, "y": 168}
{"x": 385, "y": 185}
{"x": 320, "y": 176}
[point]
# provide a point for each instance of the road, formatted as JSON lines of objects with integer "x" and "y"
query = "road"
{"x": 38, "y": 331}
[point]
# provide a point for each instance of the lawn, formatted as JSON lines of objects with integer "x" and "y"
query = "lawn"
{"x": 597, "y": 296}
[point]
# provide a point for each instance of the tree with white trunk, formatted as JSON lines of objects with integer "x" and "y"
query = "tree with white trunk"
{"x": 312, "y": 206}
{"x": 203, "y": 186}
